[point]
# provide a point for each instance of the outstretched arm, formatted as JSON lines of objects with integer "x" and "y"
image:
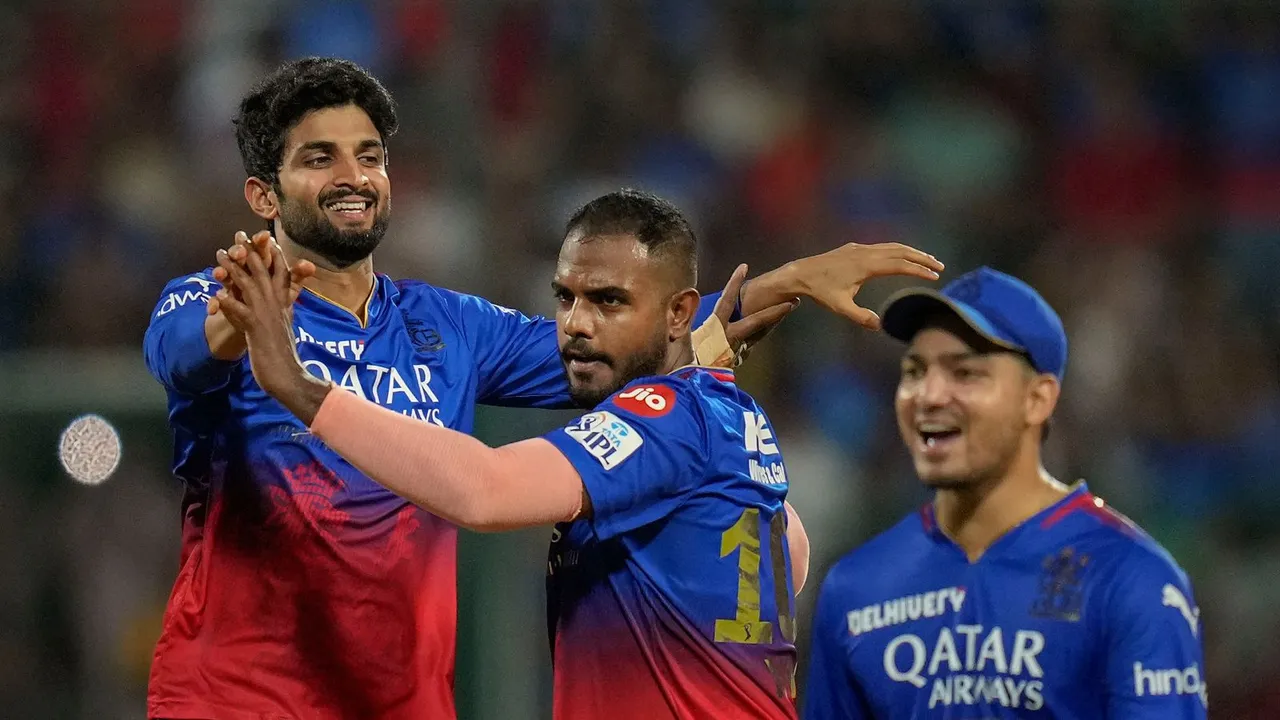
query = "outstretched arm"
{"x": 831, "y": 279}
{"x": 451, "y": 474}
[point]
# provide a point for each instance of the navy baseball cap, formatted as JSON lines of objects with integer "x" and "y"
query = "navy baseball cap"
{"x": 999, "y": 307}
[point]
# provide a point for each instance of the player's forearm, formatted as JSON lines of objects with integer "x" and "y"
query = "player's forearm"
{"x": 225, "y": 342}
{"x": 448, "y": 473}
{"x": 798, "y": 541}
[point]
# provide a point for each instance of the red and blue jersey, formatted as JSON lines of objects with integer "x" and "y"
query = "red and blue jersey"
{"x": 305, "y": 589}
{"x": 674, "y": 598}
{"x": 1074, "y": 614}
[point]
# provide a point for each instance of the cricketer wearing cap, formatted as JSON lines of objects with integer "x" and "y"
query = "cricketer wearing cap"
{"x": 1010, "y": 595}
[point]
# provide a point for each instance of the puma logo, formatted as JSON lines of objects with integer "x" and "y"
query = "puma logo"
{"x": 1174, "y": 598}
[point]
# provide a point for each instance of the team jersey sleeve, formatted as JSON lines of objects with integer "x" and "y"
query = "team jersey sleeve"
{"x": 1155, "y": 662}
{"x": 831, "y": 692}
{"x": 518, "y": 357}
{"x": 517, "y": 360}
{"x": 175, "y": 348}
{"x": 639, "y": 454}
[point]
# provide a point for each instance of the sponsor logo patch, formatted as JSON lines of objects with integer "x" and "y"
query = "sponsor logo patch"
{"x": 607, "y": 437}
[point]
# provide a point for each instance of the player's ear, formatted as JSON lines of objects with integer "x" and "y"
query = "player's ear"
{"x": 1042, "y": 398}
{"x": 680, "y": 313}
{"x": 262, "y": 198}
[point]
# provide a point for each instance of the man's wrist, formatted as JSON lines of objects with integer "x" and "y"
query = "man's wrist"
{"x": 225, "y": 342}
{"x": 304, "y": 396}
{"x": 779, "y": 285}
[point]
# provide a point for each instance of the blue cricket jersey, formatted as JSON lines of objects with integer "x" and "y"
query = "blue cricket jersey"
{"x": 1075, "y": 614}
{"x": 306, "y": 589}
{"x": 674, "y": 600}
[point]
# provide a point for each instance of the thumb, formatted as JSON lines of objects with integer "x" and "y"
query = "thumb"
{"x": 858, "y": 314}
{"x": 729, "y": 296}
{"x": 300, "y": 271}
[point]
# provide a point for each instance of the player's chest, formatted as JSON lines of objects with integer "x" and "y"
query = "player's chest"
{"x": 412, "y": 366}
{"x": 995, "y": 641}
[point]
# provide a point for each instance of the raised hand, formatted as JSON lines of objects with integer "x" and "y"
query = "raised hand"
{"x": 728, "y": 349}
{"x": 262, "y": 309}
{"x": 261, "y": 244}
{"x": 834, "y": 278}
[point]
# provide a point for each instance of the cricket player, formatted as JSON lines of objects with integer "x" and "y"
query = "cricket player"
{"x": 1010, "y": 595}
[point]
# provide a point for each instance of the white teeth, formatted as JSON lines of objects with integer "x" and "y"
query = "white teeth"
{"x": 346, "y": 206}
{"x": 935, "y": 428}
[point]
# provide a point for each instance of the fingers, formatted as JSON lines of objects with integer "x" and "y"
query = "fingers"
{"x": 235, "y": 271}
{"x": 262, "y": 242}
{"x": 281, "y": 275}
{"x": 917, "y": 257}
{"x": 755, "y": 326}
{"x": 901, "y": 266}
{"x": 859, "y": 315}
{"x": 260, "y": 276}
{"x": 892, "y": 259}
{"x": 239, "y": 250}
{"x": 300, "y": 271}
{"x": 236, "y": 312}
{"x": 729, "y": 298}
{"x": 260, "y": 245}
{"x": 239, "y": 277}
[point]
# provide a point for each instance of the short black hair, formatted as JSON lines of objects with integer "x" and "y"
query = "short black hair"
{"x": 276, "y": 104}
{"x": 655, "y": 223}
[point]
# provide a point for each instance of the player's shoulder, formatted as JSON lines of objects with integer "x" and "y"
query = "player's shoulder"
{"x": 1108, "y": 529}
{"x": 892, "y": 547}
{"x": 1139, "y": 559}
{"x": 1139, "y": 576}
{"x": 1120, "y": 547}
{"x": 659, "y": 396}
{"x": 715, "y": 389}
{"x": 412, "y": 292}
{"x": 194, "y": 288}
{"x": 418, "y": 292}
{"x": 201, "y": 279}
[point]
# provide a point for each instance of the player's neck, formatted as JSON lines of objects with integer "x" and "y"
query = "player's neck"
{"x": 349, "y": 287}
{"x": 975, "y": 517}
{"x": 679, "y": 354}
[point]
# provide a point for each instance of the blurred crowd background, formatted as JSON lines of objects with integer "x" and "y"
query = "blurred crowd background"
{"x": 1123, "y": 157}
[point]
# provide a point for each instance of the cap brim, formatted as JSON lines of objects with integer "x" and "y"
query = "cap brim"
{"x": 907, "y": 311}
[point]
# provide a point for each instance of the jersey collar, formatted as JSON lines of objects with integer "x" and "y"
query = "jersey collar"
{"x": 384, "y": 293}
{"x": 1078, "y": 498}
{"x": 688, "y": 371}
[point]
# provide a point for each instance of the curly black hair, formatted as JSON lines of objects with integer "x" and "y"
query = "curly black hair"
{"x": 276, "y": 104}
{"x": 655, "y": 223}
